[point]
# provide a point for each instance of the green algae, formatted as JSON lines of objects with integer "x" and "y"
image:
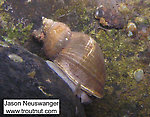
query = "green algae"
{"x": 18, "y": 33}
{"x": 80, "y": 13}
{"x": 124, "y": 96}
{"x": 3, "y": 44}
{"x": 2, "y": 2}
{"x": 13, "y": 33}
{"x": 122, "y": 60}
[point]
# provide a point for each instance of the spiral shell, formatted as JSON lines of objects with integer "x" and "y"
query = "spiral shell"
{"x": 78, "y": 56}
{"x": 83, "y": 62}
{"x": 57, "y": 36}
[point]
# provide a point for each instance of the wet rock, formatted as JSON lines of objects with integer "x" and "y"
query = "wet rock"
{"x": 67, "y": 11}
{"x": 32, "y": 78}
{"x": 144, "y": 56}
{"x": 109, "y": 15}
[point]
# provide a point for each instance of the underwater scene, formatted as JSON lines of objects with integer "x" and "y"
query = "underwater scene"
{"x": 92, "y": 55}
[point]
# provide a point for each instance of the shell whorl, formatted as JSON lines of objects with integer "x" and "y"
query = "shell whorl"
{"x": 47, "y": 24}
{"x": 83, "y": 62}
{"x": 77, "y": 55}
{"x": 57, "y": 36}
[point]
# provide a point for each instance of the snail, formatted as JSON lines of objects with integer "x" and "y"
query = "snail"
{"x": 78, "y": 59}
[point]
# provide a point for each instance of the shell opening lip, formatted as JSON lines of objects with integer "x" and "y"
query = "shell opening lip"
{"x": 96, "y": 94}
{"x": 84, "y": 88}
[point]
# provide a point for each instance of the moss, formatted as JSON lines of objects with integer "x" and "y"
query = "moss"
{"x": 13, "y": 33}
{"x": 2, "y": 2}
{"x": 124, "y": 96}
{"x": 79, "y": 15}
{"x": 3, "y": 44}
{"x": 121, "y": 58}
{"x": 17, "y": 33}
{"x": 121, "y": 55}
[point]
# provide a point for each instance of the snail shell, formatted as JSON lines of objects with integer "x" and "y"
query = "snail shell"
{"x": 83, "y": 62}
{"x": 78, "y": 56}
{"x": 57, "y": 36}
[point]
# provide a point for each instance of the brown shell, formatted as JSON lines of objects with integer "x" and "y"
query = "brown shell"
{"x": 57, "y": 36}
{"x": 82, "y": 61}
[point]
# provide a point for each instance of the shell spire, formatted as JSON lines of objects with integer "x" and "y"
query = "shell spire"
{"x": 57, "y": 36}
{"x": 77, "y": 55}
{"x": 47, "y": 24}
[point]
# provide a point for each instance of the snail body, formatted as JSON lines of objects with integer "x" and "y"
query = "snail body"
{"x": 79, "y": 58}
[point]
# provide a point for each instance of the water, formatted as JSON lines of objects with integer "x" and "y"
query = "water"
{"x": 123, "y": 54}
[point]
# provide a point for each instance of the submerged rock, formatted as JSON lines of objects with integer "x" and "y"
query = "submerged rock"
{"x": 32, "y": 78}
{"x": 109, "y": 14}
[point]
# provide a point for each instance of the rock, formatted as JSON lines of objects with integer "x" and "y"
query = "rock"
{"x": 28, "y": 76}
